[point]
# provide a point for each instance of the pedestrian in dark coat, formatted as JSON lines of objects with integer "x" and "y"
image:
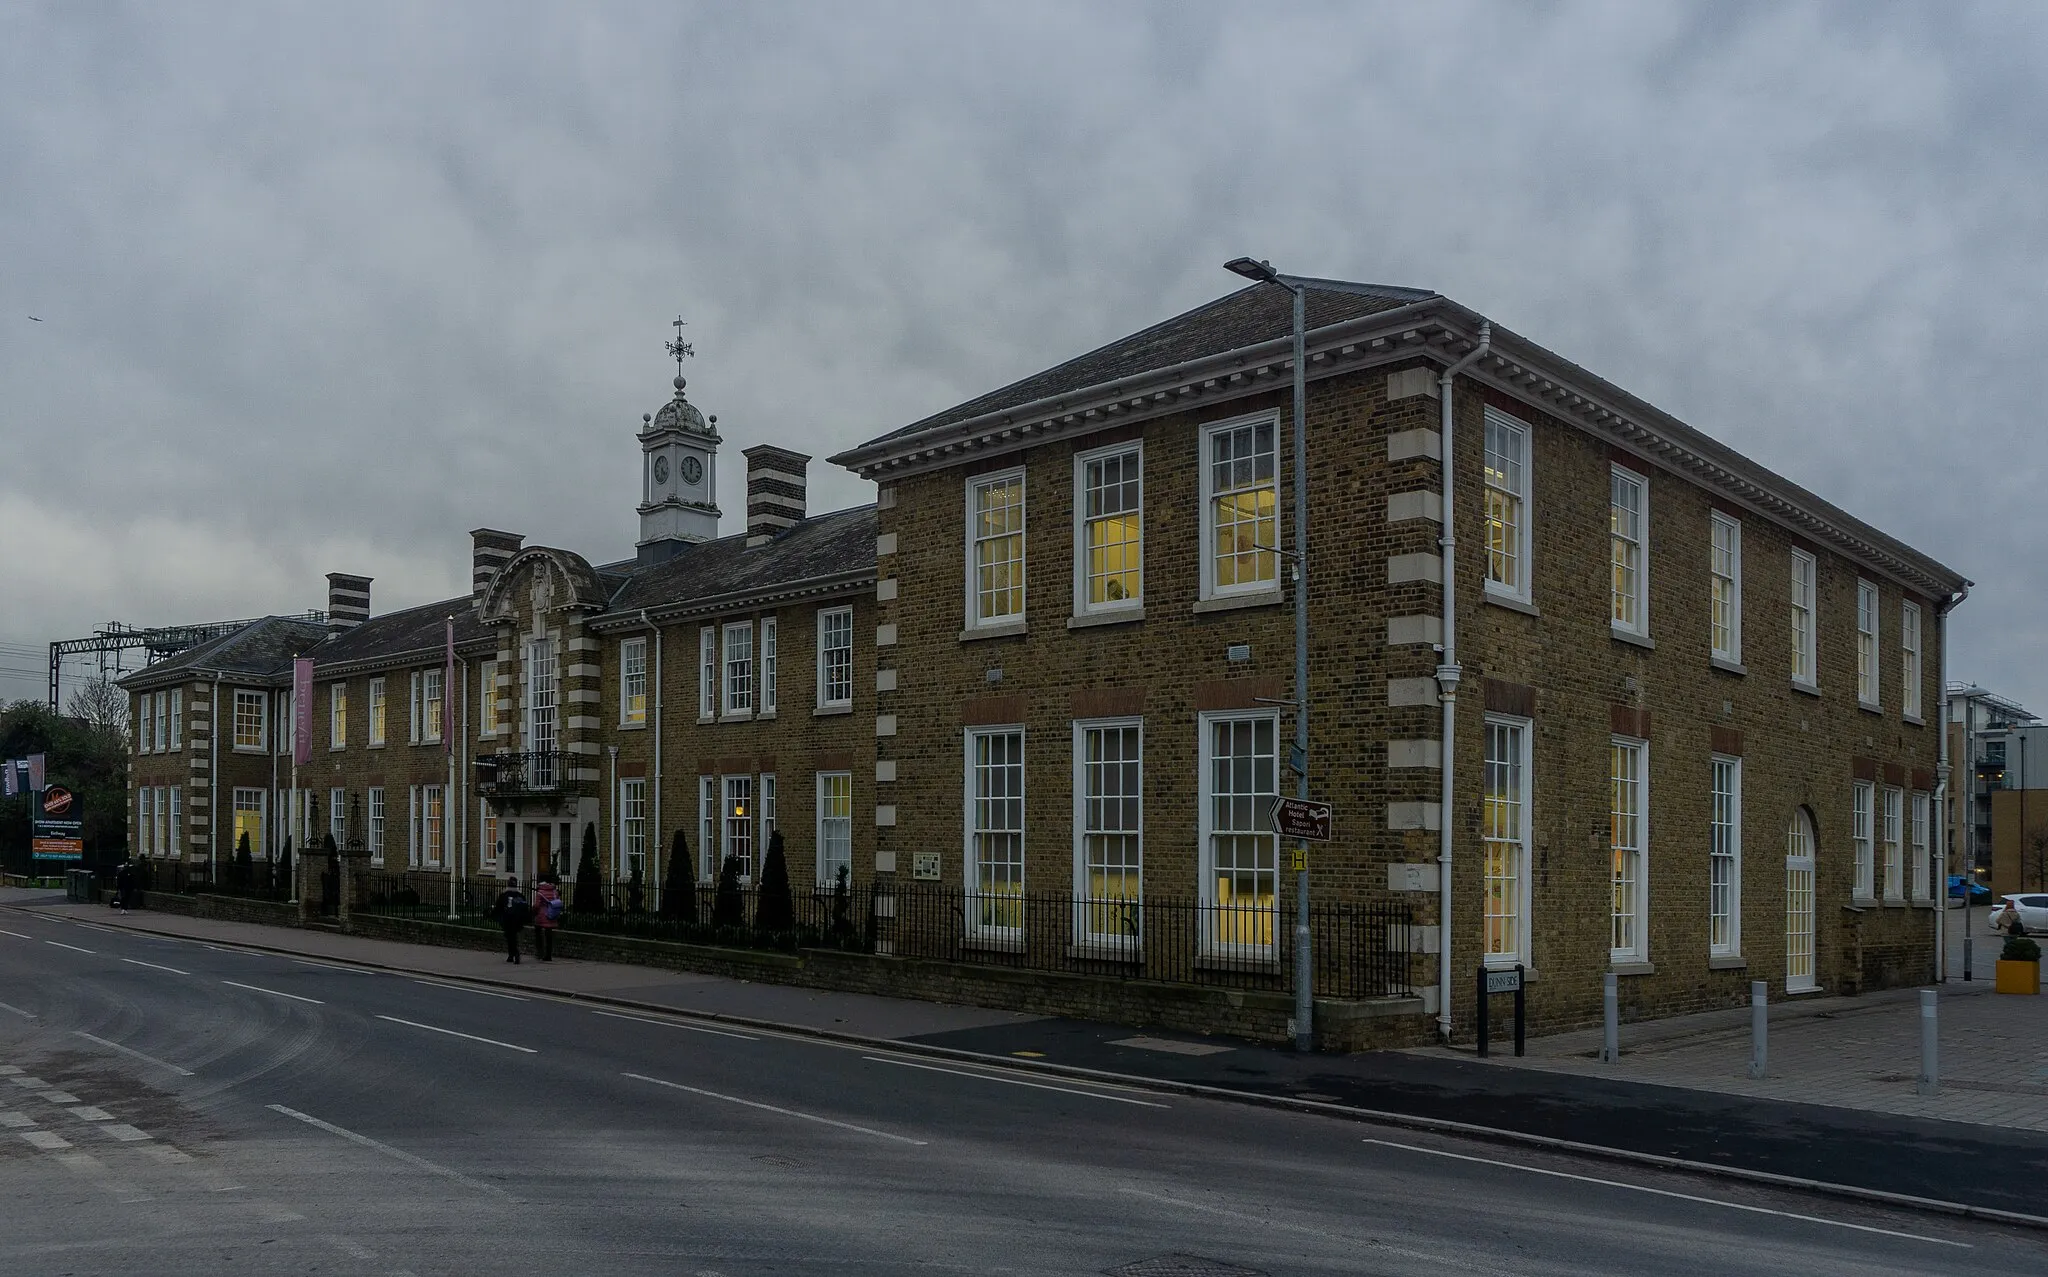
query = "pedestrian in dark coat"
{"x": 512, "y": 912}
{"x": 547, "y": 898}
{"x": 124, "y": 886}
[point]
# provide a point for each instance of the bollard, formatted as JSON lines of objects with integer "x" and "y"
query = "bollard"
{"x": 1759, "y": 1028}
{"x": 1930, "y": 1036}
{"x": 1610, "y": 1041}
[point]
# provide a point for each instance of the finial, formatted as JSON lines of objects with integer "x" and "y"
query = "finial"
{"x": 646, "y": 417}
{"x": 679, "y": 350}
{"x": 679, "y": 384}
{"x": 714, "y": 418}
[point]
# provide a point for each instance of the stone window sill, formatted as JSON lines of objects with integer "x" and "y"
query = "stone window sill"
{"x": 738, "y": 716}
{"x": 1895, "y": 902}
{"x": 1869, "y": 707}
{"x": 1923, "y": 904}
{"x": 1121, "y": 616}
{"x": 1631, "y": 637}
{"x": 827, "y": 711}
{"x": 1804, "y": 993}
{"x": 994, "y": 629}
{"x": 766, "y": 716}
{"x": 1501, "y": 962}
{"x": 1810, "y": 689}
{"x": 632, "y": 727}
{"x": 1727, "y": 666}
{"x": 1632, "y": 968}
{"x": 1727, "y": 962}
{"x": 1232, "y": 602}
{"x": 1511, "y": 603}
{"x": 1914, "y": 719}
{"x": 1862, "y": 902}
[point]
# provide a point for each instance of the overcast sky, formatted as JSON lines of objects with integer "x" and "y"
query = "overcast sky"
{"x": 324, "y": 286}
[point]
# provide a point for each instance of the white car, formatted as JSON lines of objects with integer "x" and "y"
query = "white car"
{"x": 2021, "y": 915}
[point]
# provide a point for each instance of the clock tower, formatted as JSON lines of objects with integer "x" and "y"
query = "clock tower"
{"x": 678, "y": 478}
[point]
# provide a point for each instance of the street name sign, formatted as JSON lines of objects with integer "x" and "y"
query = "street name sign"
{"x": 1504, "y": 981}
{"x": 1302, "y": 818}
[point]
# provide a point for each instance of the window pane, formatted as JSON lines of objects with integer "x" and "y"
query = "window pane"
{"x": 1244, "y": 502}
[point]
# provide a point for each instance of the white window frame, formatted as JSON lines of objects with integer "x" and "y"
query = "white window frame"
{"x": 736, "y": 827}
{"x": 487, "y": 700}
{"x": 1725, "y": 543}
{"x": 487, "y": 829}
{"x": 708, "y": 829}
{"x": 177, "y": 695}
{"x": 433, "y": 825}
{"x": 1724, "y": 856}
{"x": 174, "y": 845}
{"x": 1863, "y": 838}
{"x": 258, "y": 802}
{"x": 1084, "y": 564}
{"x": 1225, "y": 919}
{"x": 377, "y": 713}
{"x": 1869, "y": 689}
{"x": 1894, "y": 844}
{"x": 374, "y": 817}
{"x": 337, "y": 716}
{"x": 412, "y": 827}
{"x": 707, "y": 673}
{"x": 1106, "y": 919}
{"x": 976, "y": 619}
{"x": 736, "y": 672}
{"x": 986, "y": 914}
{"x": 1631, "y": 926}
{"x": 431, "y": 706}
{"x": 764, "y": 808}
{"x": 835, "y": 831}
{"x": 1922, "y": 867}
{"x": 1800, "y": 923}
{"x": 632, "y": 675}
{"x": 1909, "y": 661}
{"x": 1517, "y": 491}
{"x": 144, "y": 716}
{"x": 1637, "y": 597}
{"x": 1205, "y": 468}
{"x": 145, "y": 820}
{"x": 827, "y": 648}
{"x": 632, "y": 842}
{"x": 1805, "y": 621}
{"x": 243, "y": 696}
{"x": 163, "y": 722}
{"x": 764, "y": 668}
{"x": 1515, "y": 839}
{"x": 337, "y": 816}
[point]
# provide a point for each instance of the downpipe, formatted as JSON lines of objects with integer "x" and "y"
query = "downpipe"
{"x": 1448, "y": 674}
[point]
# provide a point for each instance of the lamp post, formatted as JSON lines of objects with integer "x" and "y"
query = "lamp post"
{"x": 1304, "y": 994}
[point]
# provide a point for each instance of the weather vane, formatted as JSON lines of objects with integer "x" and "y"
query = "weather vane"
{"x": 679, "y": 350}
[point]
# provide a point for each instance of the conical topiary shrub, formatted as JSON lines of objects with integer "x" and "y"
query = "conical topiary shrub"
{"x": 842, "y": 904}
{"x": 728, "y": 908}
{"x": 589, "y": 897}
{"x": 245, "y": 864}
{"x": 679, "y": 888}
{"x": 775, "y": 911}
{"x": 636, "y": 891}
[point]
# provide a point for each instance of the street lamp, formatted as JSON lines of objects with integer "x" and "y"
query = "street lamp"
{"x": 1263, "y": 272}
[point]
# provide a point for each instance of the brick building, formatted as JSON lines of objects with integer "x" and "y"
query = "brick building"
{"x": 1691, "y": 709}
{"x": 708, "y": 685}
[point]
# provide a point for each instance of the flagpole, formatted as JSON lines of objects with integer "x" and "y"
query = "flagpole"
{"x": 448, "y": 744}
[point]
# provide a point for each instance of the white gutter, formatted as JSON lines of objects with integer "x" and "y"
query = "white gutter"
{"x": 213, "y": 787}
{"x": 657, "y": 856}
{"x": 1447, "y": 676}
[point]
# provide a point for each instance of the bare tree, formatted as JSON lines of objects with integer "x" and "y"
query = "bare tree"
{"x": 100, "y": 705}
{"x": 2034, "y": 868}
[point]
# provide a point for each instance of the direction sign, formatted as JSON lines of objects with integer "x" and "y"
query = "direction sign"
{"x": 1504, "y": 981}
{"x": 1302, "y": 818}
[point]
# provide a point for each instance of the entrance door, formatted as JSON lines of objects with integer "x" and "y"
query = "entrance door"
{"x": 539, "y": 845}
{"x": 1799, "y": 973}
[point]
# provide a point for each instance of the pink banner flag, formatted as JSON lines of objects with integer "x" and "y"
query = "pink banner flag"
{"x": 448, "y": 692}
{"x": 35, "y": 772}
{"x": 302, "y": 710}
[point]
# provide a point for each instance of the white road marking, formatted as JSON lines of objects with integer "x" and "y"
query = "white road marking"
{"x": 146, "y": 1059}
{"x": 16, "y": 1120}
{"x": 82, "y": 1162}
{"x": 94, "y": 926}
{"x": 58, "y": 1097}
{"x": 770, "y": 1108}
{"x": 1173, "y": 1046}
{"x": 1434, "y": 1262}
{"x": 274, "y": 993}
{"x": 155, "y": 966}
{"x": 332, "y": 967}
{"x": 31, "y": 1083}
{"x": 674, "y": 1024}
{"x": 1665, "y": 1192}
{"x": 460, "y": 988}
{"x": 409, "y": 1159}
{"x": 46, "y": 1140}
{"x": 87, "y": 1113}
{"x": 353, "y": 1250}
{"x": 11, "y": 1070}
{"x": 124, "y": 1132}
{"x": 16, "y": 934}
{"x": 453, "y": 1034}
{"x": 17, "y": 1010}
{"x": 165, "y": 1153}
{"x": 74, "y": 948}
{"x": 1011, "y": 1081}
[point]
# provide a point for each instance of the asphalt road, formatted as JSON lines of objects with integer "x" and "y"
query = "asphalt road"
{"x": 170, "y": 1108}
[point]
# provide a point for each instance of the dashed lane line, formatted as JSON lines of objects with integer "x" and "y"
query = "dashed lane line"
{"x": 399, "y": 1154}
{"x": 131, "y": 1051}
{"x": 15, "y": 1121}
{"x": 1665, "y": 1192}
{"x": 254, "y": 988}
{"x": 673, "y": 1024}
{"x": 18, "y": 1011}
{"x": 28, "y": 1083}
{"x": 46, "y": 1139}
{"x": 16, "y": 934}
{"x": 124, "y": 1132}
{"x": 155, "y": 966}
{"x": 11, "y": 1070}
{"x": 509, "y": 1046}
{"x": 459, "y": 988}
{"x": 87, "y": 1113}
{"x": 74, "y": 948}
{"x": 58, "y": 1097}
{"x": 1009, "y": 1081}
{"x": 329, "y": 966}
{"x": 771, "y": 1108}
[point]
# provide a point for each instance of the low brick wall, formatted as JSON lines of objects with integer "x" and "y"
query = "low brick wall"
{"x": 1261, "y": 1016}
{"x": 274, "y": 913}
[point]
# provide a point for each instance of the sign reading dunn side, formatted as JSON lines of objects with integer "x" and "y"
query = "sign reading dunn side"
{"x": 1302, "y": 818}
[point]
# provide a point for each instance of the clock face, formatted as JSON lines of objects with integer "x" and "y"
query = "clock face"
{"x": 661, "y": 469}
{"x": 693, "y": 470}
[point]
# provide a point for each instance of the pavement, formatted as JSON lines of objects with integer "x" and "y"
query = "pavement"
{"x": 175, "y": 1104}
{"x": 1677, "y": 1093}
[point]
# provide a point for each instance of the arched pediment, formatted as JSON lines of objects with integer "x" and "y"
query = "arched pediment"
{"x": 540, "y": 578}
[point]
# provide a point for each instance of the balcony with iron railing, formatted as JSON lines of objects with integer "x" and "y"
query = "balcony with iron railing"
{"x": 537, "y": 774}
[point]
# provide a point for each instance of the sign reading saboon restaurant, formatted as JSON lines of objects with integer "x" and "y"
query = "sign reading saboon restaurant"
{"x": 59, "y": 825}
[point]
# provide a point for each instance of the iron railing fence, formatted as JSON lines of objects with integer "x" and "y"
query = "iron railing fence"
{"x": 421, "y": 894}
{"x": 539, "y": 773}
{"x": 261, "y": 880}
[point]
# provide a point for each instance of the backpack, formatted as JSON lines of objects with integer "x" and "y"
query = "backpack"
{"x": 555, "y": 909}
{"x": 516, "y": 910}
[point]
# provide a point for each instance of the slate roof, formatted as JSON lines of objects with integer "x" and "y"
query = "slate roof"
{"x": 261, "y": 649}
{"x": 1260, "y": 312}
{"x": 821, "y": 547}
{"x": 415, "y": 629}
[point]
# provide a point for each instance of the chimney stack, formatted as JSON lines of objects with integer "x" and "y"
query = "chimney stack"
{"x": 775, "y": 490}
{"x": 489, "y": 550}
{"x": 348, "y": 601}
